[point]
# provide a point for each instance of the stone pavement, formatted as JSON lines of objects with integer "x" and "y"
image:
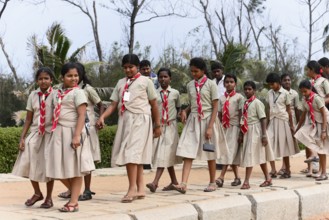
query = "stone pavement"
{"x": 295, "y": 198}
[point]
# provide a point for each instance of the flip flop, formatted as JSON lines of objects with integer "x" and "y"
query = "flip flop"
{"x": 48, "y": 203}
{"x": 210, "y": 188}
{"x": 152, "y": 187}
{"x": 35, "y": 198}
{"x": 169, "y": 187}
{"x": 69, "y": 208}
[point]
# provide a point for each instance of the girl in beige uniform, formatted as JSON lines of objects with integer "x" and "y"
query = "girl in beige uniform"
{"x": 280, "y": 128}
{"x": 230, "y": 105}
{"x": 30, "y": 162}
{"x": 314, "y": 132}
{"x": 164, "y": 147}
{"x": 135, "y": 98}
{"x": 202, "y": 126}
{"x": 255, "y": 149}
{"x": 68, "y": 156}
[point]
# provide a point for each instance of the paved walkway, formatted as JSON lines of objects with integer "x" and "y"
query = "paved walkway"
{"x": 110, "y": 185}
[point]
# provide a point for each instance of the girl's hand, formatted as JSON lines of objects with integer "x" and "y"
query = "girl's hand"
{"x": 22, "y": 144}
{"x": 76, "y": 142}
{"x": 183, "y": 116}
{"x": 323, "y": 135}
{"x": 264, "y": 141}
{"x": 157, "y": 132}
{"x": 208, "y": 134}
{"x": 100, "y": 123}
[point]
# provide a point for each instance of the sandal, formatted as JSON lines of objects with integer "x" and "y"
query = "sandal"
{"x": 286, "y": 175}
{"x": 273, "y": 174}
{"x": 281, "y": 171}
{"x": 128, "y": 199}
{"x": 48, "y": 203}
{"x": 321, "y": 178}
{"x": 210, "y": 188}
{"x": 35, "y": 198}
{"x": 140, "y": 197}
{"x": 236, "y": 182}
{"x": 181, "y": 188}
{"x": 266, "y": 183}
{"x": 304, "y": 170}
{"x": 309, "y": 175}
{"x": 219, "y": 182}
{"x": 245, "y": 186}
{"x": 169, "y": 187}
{"x": 87, "y": 195}
{"x": 69, "y": 208}
{"x": 65, "y": 195}
{"x": 152, "y": 187}
{"x": 311, "y": 159}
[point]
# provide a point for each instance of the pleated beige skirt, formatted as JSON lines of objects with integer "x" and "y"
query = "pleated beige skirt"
{"x": 281, "y": 139}
{"x": 253, "y": 152}
{"x": 94, "y": 144}
{"x": 233, "y": 154}
{"x": 191, "y": 142}
{"x": 133, "y": 140}
{"x": 30, "y": 163}
{"x": 165, "y": 147}
{"x": 311, "y": 138}
{"x": 62, "y": 161}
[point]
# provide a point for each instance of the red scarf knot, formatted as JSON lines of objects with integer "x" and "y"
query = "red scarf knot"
{"x": 42, "y": 117}
{"x": 244, "y": 126}
{"x": 225, "y": 110}
{"x": 125, "y": 88}
{"x": 198, "y": 87}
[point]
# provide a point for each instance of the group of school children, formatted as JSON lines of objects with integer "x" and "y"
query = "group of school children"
{"x": 220, "y": 124}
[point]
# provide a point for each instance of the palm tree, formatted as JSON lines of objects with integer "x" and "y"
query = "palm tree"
{"x": 55, "y": 53}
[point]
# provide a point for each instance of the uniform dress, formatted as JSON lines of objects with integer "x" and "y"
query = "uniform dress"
{"x": 164, "y": 147}
{"x": 193, "y": 135}
{"x": 253, "y": 152}
{"x": 30, "y": 163}
{"x": 295, "y": 103}
{"x": 134, "y": 137}
{"x": 280, "y": 136}
{"x": 93, "y": 99}
{"x": 309, "y": 136}
{"x": 63, "y": 161}
{"x": 232, "y": 132}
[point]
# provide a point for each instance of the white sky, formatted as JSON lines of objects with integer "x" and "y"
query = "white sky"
{"x": 21, "y": 20}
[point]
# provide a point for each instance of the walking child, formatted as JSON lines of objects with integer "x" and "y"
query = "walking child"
{"x": 253, "y": 136}
{"x": 164, "y": 147}
{"x": 202, "y": 126}
{"x": 139, "y": 121}
{"x": 68, "y": 156}
{"x": 314, "y": 132}
{"x": 30, "y": 162}
{"x": 280, "y": 128}
{"x": 230, "y": 105}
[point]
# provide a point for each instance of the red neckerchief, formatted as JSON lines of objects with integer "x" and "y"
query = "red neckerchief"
{"x": 198, "y": 87}
{"x": 244, "y": 126}
{"x": 309, "y": 102}
{"x": 42, "y": 117}
{"x": 225, "y": 110}
{"x": 165, "y": 109}
{"x": 57, "y": 111}
{"x": 128, "y": 83}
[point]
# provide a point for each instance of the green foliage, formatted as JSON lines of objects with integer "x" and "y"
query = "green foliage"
{"x": 106, "y": 139}
{"x": 233, "y": 58}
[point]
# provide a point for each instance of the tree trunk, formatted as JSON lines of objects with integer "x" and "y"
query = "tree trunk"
{"x": 96, "y": 36}
{"x": 310, "y": 30}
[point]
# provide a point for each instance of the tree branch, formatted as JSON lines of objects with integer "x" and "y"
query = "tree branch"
{"x": 11, "y": 66}
{"x": 3, "y": 7}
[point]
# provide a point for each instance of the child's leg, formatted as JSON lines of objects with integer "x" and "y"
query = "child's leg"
{"x": 172, "y": 174}
{"x": 87, "y": 180}
{"x": 323, "y": 164}
{"x": 212, "y": 170}
{"x": 247, "y": 175}
{"x": 76, "y": 184}
{"x": 158, "y": 175}
{"x": 273, "y": 169}
{"x": 36, "y": 188}
{"x": 286, "y": 161}
{"x": 140, "y": 180}
{"x": 50, "y": 187}
{"x": 265, "y": 171}
{"x": 223, "y": 172}
{"x": 186, "y": 169}
{"x": 132, "y": 178}
{"x": 235, "y": 171}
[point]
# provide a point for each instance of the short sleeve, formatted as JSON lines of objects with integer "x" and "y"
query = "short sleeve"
{"x": 92, "y": 95}
{"x": 115, "y": 94}
{"x": 151, "y": 93}
{"x": 241, "y": 102}
{"x": 260, "y": 109}
{"x": 319, "y": 102}
{"x": 213, "y": 90}
{"x": 29, "y": 106}
{"x": 287, "y": 99}
{"x": 177, "y": 101}
{"x": 326, "y": 87}
{"x": 79, "y": 97}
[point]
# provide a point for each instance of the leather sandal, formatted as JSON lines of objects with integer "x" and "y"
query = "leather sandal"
{"x": 35, "y": 198}
{"x": 69, "y": 208}
{"x": 48, "y": 203}
{"x": 245, "y": 186}
{"x": 220, "y": 182}
{"x": 181, "y": 188}
{"x": 152, "y": 187}
{"x": 65, "y": 195}
{"x": 169, "y": 187}
{"x": 128, "y": 199}
{"x": 236, "y": 182}
{"x": 87, "y": 195}
{"x": 266, "y": 183}
{"x": 321, "y": 178}
{"x": 210, "y": 188}
{"x": 273, "y": 174}
{"x": 286, "y": 175}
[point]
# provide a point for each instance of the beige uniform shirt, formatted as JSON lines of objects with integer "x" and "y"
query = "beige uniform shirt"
{"x": 322, "y": 86}
{"x": 93, "y": 99}
{"x": 141, "y": 90}
{"x": 173, "y": 102}
{"x": 278, "y": 102}
{"x": 208, "y": 92}
{"x": 256, "y": 111}
{"x": 235, "y": 106}
{"x": 317, "y": 104}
